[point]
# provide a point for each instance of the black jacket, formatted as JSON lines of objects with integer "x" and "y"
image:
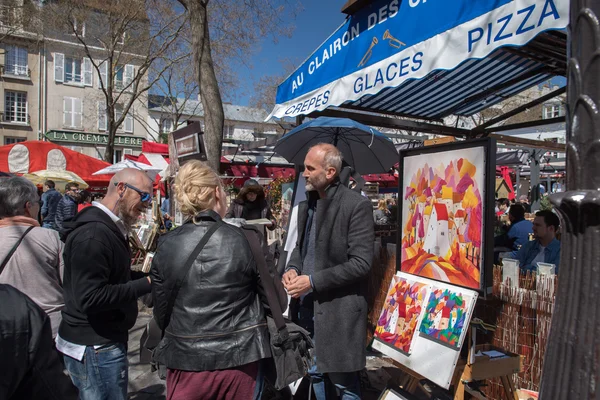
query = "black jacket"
{"x": 29, "y": 364}
{"x": 343, "y": 256}
{"x": 100, "y": 297}
{"x": 65, "y": 209}
{"x": 218, "y": 321}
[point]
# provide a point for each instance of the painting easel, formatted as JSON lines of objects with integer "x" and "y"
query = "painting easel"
{"x": 477, "y": 367}
{"x": 480, "y": 368}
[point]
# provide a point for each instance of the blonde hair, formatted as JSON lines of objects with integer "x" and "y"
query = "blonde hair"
{"x": 382, "y": 205}
{"x": 194, "y": 187}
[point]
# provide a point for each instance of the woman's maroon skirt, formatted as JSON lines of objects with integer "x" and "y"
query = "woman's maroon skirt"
{"x": 229, "y": 384}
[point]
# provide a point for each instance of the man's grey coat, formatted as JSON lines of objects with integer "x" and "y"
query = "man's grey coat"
{"x": 343, "y": 256}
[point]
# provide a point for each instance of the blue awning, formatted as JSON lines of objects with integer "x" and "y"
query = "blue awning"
{"x": 442, "y": 91}
{"x": 427, "y": 59}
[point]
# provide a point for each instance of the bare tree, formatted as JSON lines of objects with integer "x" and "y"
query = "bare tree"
{"x": 265, "y": 90}
{"x": 175, "y": 94}
{"x": 233, "y": 30}
{"x": 16, "y": 17}
{"x": 122, "y": 39}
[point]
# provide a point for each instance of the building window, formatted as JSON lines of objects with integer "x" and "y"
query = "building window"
{"x": 102, "y": 116}
{"x": 73, "y": 70}
{"x": 117, "y": 156}
{"x": 16, "y": 61}
{"x": 15, "y": 107}
{"x": 228, "y": 131}
{"x": 123, "y": 76}
{"x": 553, "y": 110}
{"x": 127, "y": 124}
{"x": 166, "y": 125}
{"x": 78, "y": 27}
{"x": 13, "y": 140}
{"x": 10, "y": 15}
{"x": 72, "y": 112}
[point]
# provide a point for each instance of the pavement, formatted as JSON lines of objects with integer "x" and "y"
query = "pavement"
{"x": 144, "y": 384}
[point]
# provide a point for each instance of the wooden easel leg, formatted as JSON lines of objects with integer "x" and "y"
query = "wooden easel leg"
{"x": 412, "y": 385}
{"x": 459, "y": 394}
{"x": 509, "y": 388}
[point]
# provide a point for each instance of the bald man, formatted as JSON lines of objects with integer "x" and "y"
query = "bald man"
{"x": 327, "y": 272}
{"x": 100, "y": 295}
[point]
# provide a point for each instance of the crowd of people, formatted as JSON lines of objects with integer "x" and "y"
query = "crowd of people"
{"x": 73, "y": 297}
{"x": 529, "y": 241}
{"x": 75, "y": 294}
{"x": 57, "y": 208}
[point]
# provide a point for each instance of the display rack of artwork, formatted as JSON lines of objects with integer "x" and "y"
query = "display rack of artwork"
{"x": 446, "y": 193}
{"x": 423, "y": 324}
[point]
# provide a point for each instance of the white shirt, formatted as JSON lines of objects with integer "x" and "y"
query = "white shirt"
{"x": 539, "y": 257}
{"x": 77, "y": 351}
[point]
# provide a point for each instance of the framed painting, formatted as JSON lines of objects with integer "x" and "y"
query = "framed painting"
{"x": 396, "y": 394}
{"x": 445, "y": 317}
{"x": 401, "y": 313}
{"x": 439, "y": 332}
{"x": 287, "y": 196}
{"x": 446, "y": 212}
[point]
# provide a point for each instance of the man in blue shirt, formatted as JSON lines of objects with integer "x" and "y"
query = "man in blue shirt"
{"x": 545, "y": 248}
{"x": 520, "y": 228}
{"x": 50, "y": 199}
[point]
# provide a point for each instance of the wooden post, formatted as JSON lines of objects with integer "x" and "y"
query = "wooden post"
{"x": 571, "y": 366}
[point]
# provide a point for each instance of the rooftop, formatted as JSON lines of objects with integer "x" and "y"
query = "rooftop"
{"x": 194, "y": 108}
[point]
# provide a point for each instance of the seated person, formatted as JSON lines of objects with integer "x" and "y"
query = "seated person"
{"x": 520, "y": 228}
{"x": 515, "y": 235}
{"x": 545, "y": 248}
{"x": 503, "y": 206}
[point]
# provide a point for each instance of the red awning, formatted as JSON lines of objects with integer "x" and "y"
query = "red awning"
{"x": 152, "y": 147}
{"x": 31, "y": 156}
{"x": 385, "y": 180}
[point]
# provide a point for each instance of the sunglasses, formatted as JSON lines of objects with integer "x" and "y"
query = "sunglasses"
{"x": 145, "y": 197}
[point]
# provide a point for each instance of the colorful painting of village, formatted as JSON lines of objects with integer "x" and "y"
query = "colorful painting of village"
{"x": 444, "y": 318}
{"x": 400, "y": 314}
{"x": 442, "y": 217}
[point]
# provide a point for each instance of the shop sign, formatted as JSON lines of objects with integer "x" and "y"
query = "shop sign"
{"x": 188, "y": 145}
{"x": 93, "y": 138}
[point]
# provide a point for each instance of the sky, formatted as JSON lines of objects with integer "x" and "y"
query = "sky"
{"x": 314, "y": 24}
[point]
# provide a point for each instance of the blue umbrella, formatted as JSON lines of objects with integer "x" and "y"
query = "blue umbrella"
{"x": 365, "y": 149}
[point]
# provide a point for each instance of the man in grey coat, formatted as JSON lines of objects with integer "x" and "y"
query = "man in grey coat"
{"x": 327, "y": 272}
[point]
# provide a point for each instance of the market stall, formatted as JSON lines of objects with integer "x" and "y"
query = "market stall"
{"x": 31, "y": 156}
{"x": 407, "y": 66}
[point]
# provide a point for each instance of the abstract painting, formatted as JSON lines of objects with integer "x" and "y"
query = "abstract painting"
{"x": 442, "y": 215}
{"x": 400, "y": 314}
{"x": 287, "y": 194}
{"x": 445, "y": 316}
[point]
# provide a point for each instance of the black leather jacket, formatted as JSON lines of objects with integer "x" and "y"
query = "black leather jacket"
{"x": 218, "y": 320}
{"x": 29, "y": 363}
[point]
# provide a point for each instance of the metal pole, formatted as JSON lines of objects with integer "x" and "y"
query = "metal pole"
{"x": 518, "y": 183}
{"x": 571, "y": 365}
{"x": 534, "y": 176}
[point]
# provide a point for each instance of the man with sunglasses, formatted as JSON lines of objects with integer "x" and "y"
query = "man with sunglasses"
{"x": 101, "y": 291}
{"x": 67, "y": 206}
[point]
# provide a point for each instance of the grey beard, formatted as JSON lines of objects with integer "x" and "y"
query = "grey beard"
{"x": 126, "y": 220}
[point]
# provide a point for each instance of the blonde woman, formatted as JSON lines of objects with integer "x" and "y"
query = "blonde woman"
{"x": 381, "y": 216}
{"x": 216, "y": 335}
